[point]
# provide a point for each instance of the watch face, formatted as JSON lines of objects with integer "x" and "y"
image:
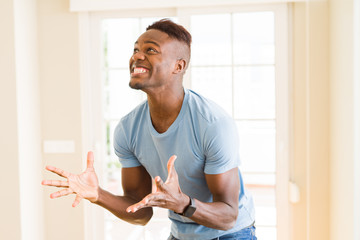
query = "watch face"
{"x": 189, "y": 211}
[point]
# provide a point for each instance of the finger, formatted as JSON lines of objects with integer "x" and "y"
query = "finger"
{"x": 135, "y": 207}
{"x": 55, "y": 183}
{"x": 171, "y": 168}
{"x": 159, "y": 184}
{"x": 77, "y": 201}
{"x": 58, "y": 171}
{"x": 61, "y": 193}
{"x": 151, "y": 200}
{"x": 90, "y": 160}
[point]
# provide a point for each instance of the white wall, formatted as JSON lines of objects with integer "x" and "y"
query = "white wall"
{"x": 28, "y": 119}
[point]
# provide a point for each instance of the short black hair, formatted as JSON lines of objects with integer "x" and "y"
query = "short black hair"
{"x": 173, "y": 30}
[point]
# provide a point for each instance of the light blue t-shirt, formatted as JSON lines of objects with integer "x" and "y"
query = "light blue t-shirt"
{"x": 205, "y": 140}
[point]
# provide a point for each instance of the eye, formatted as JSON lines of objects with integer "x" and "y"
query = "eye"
{"x": 151, "y": 50}
{"x": 135, "y": 50}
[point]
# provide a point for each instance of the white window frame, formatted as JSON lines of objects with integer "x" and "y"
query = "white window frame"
{"x": 90, "y": 74}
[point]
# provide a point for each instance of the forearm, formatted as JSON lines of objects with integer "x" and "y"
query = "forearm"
{"x": 218, "y": 215}
{"x": 118, "y": 204}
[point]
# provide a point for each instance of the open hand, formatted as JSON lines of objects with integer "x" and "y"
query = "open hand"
{"x": 84, "y": 185}
{"x": 165, "y": 195}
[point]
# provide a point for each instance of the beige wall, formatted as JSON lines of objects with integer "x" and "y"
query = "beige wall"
{"x": 60, "y": 104}
{"x": 342, "y": 115}
{"x": 39, "y": 46}
{"x": 324, "y": 127}
{"x": 310, "y": 165}
{"x": 9, "y": 170}
{"x": 318, "y": 129}
{"x": 298, "y": 165}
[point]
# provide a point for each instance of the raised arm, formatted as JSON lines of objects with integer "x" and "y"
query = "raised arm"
{"x": 136, "y": 185}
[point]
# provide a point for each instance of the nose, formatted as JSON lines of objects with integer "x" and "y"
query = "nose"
{"x": 138, "y": 56}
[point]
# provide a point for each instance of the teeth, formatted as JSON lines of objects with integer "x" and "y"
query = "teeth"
{"x": 140, "y": 70}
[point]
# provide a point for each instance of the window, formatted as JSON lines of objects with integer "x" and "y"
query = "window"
{"x": 233, "y": 63}
{"x": 119, "y": 36}
{"x": 238, "y": 60}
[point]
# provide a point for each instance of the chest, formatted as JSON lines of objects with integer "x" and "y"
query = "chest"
{"x": 153, "y": 152}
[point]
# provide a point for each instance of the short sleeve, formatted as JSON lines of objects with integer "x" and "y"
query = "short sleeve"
{"x": 122, "y": 148}
{"x": 221, "y": 146}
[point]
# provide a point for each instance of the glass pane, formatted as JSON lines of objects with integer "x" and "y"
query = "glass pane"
{"x": 254, "y": 92}
{"x": 120, "y": 98}
{"x": 257, "y": 146}
{"x": 211, "y": 39}
{"x": 145, "y": 22}
{"x": 265, "y": 215}
{"x": 214, "y": 83}
{"x": 264, "y": 199}
{"x": 258, "y": 179}
{"x": 268, "y": 233}
{"x": 112, "y": 158}
{"x": 159, "y": 226}
{"x": 254, "y": 38}
{"x": 112, "y": 165}
{"x": 119, "y": 37}
{"x": 118, "y": 229}
{"x": 112, "y": 182}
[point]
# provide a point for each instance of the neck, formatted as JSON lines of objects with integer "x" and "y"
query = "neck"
{"x": 164, "y": 107}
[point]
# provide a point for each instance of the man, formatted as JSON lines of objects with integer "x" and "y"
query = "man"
{"x": 200, "y": 184}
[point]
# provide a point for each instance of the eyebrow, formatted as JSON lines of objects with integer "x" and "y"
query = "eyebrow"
{"x": 149, "y": 41}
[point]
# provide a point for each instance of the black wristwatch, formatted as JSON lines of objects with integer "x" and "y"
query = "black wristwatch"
{"x": 190, "y": 209}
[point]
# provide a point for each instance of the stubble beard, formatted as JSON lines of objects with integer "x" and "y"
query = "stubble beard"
{"x": 135, "y": 86}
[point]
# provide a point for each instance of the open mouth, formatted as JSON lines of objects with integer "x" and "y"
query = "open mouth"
{"x": 138, "y": 70}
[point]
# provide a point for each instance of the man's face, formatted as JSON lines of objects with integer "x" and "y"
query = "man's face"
{"x": 153, "y": 60}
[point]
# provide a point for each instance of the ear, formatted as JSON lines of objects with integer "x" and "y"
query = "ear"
{"x": 180, "y": 66}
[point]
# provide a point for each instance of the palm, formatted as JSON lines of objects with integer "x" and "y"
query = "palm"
{"x": 166, "y": 195}
{"x": 84, "y": 185}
